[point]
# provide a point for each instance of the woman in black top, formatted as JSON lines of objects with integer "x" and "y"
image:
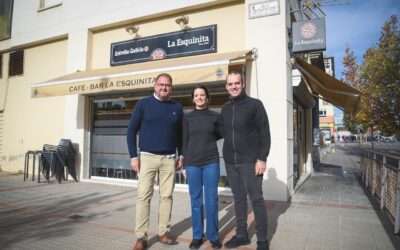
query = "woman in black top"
{"x": 201, "y": 161}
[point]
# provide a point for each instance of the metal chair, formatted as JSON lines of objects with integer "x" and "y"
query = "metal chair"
{"x": 26, "y": 164}
{"x": 67, "y": 154}
{"x": 56, "y": 158}
{"x": 120, "y": 171}
{"x": 52, "y": 162}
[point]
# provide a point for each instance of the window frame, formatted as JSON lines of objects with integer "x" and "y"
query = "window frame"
{"x": 9, "y": 22}
{"x": 322, "y": 113}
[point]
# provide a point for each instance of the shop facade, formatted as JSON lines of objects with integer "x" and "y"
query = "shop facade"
{"x": 72, "y": 86}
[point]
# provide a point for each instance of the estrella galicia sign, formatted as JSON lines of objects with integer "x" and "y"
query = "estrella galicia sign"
{"x": 169, "y": 45}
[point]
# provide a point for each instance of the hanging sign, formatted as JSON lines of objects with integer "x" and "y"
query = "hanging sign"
{"x": 169, "y": 45}
{"x": 309, "y": 35}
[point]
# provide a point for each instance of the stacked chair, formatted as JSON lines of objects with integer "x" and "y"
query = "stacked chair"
{"x": 55, "y": 158}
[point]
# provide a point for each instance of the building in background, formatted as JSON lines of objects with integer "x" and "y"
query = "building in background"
{"x": 327, "y": 123}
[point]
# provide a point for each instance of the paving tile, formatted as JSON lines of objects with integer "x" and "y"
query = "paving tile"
{"x": 329, "y": 211}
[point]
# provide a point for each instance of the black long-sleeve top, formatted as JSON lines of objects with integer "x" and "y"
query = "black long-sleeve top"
{"x": 246, "y": 130}
{"x": 200, "y": 135}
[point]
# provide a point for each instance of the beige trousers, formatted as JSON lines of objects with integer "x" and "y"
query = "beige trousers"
{"x": 150, "y": 165}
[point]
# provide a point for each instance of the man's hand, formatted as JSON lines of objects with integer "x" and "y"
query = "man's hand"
{"x": 261, "y": 167}
{"x": 184, "y": 173}
{"x": 179, "y": 164}
{"x": 135, "y": 165}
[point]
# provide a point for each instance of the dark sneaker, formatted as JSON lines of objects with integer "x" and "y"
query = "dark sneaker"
{"x": 215, "y": 244}
{"x": 262, "y": 245}
{"x": 195, "y": 244}
{"x": 237, "y": 241}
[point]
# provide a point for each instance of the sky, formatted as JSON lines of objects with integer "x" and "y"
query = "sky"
{"x": 356, "y": 25}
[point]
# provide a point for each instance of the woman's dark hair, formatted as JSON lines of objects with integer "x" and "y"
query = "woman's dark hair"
{"x": 201, "y": 86}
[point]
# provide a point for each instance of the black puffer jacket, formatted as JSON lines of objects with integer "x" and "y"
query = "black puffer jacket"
{"x": 246, "y": 130}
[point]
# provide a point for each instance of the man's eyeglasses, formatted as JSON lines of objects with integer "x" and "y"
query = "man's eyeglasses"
{"x": 166, "y": 85}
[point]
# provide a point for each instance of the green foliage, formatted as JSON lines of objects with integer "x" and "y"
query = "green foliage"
{"x": 351, "y": 75}
{"x": 350, "y": 123}
{"x": 378, "y": 79}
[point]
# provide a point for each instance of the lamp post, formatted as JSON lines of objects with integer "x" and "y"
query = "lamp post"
{"x": 372, "y": 123}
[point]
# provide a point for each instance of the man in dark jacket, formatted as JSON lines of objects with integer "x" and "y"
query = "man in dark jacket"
{"x": 247, "y": 142}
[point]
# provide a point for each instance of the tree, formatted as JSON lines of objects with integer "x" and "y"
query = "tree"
{"x": 351, "y": 78}
{"x": 350, "y": 123}
{"x": 378, "y": 79}
{"x": 350, "y": 73}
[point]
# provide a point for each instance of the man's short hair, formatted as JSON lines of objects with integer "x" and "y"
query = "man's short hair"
{"x": 234, "y": 72}
{"x": 164, "y": 75}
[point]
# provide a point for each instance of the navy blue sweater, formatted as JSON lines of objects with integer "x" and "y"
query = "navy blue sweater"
{"x": 159, "y": 124}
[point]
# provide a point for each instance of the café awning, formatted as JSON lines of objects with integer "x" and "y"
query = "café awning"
{"x": 184, "y": 70}
{"x": 328, "y": 87}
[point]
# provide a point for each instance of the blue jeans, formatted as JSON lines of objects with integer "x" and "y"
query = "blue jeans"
{"x": 206, "y": 177}
{"x": 244, "y": 181}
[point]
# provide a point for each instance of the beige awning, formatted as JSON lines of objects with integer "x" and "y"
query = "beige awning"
{"x": 184, "y": 70}
{"x": 328, "y": 87}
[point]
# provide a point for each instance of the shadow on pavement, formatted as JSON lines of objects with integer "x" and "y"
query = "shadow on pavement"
{"x": 329, "y": 169}
{"x": 227, "y": 222}
{"x": 274, "y": 208}
{"x": 51, "y": 214}
{"x": 386, "y": 223}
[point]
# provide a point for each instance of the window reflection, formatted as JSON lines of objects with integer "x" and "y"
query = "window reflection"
{"x": 109, "y": 150}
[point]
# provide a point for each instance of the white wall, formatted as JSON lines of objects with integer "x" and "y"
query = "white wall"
{"x": 271, "y": 83}
{"x": 30, "y": 25}
{"x": 31, "y": 122}
{"x": 329, "y": 108}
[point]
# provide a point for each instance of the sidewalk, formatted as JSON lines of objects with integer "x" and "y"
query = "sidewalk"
{"x": 336, "y": 212}
{"x": 329, "y": 211}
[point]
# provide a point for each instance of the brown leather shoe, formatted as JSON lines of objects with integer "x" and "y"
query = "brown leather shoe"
{"x": 166, "y": 239}
{"x": 141, "y": 244}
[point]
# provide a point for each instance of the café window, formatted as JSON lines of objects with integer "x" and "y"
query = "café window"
{"x": 322, "y": 113}
{"x": 16, "y": 64}
{"x": 109, "y": 123}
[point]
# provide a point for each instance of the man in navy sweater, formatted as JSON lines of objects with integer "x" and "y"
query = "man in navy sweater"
{"x": 158, "y": 120}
